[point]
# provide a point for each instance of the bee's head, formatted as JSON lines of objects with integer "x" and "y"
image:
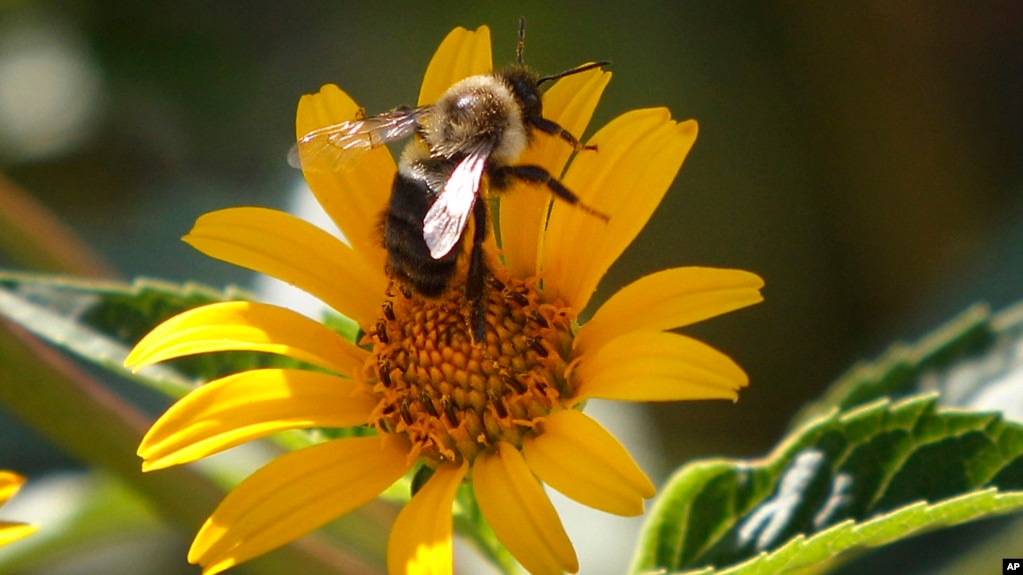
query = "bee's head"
{"x": 525, "y": 84}
{"x": 525, "y": 87}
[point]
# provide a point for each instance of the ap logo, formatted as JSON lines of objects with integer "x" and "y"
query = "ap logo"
{"x": 1012, "y": 566}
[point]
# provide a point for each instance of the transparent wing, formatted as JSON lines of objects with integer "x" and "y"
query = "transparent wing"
{"x": 333, "y": 147}
{"x": 446, "y": 219}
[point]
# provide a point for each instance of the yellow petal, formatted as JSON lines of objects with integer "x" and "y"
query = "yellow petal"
{"x": 669, "y": 299}
{"x": 658, "y": 366}
{"x": 523, "y": 518}
{"x": 420, "y": 542}
{"x": 639, "y": 154}
{"x": 461, "y": 54}
{"x": 356, "y": 195}
{"x": 295, "y": 494}
{"x": 10, "y": 532}
{"x": 247, "y": 326}
{"x": 579, "y": 458}
{"x": 295, "y": 251}
{"x": 248, "y": 405}
{"x": 570, "y": 102}
{"x": 10, "y": 483}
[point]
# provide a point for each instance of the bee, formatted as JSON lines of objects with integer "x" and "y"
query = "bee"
{"x": 478, "y": 128}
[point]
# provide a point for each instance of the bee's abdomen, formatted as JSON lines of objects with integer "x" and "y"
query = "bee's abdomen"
{"x": 408, "y": 257}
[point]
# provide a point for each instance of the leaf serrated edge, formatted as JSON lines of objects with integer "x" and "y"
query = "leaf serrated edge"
{"x": 874, "y": 533}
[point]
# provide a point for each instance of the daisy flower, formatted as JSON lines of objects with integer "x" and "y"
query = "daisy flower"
{"x": 10, "y": 531}
{"x": 503, "y": 415}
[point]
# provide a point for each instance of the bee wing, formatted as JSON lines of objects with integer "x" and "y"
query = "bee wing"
{"x": 446, "y": 219}
{"x": 333, "y": 147}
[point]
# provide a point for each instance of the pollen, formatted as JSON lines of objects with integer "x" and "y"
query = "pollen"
{"x": 453, "y": 398}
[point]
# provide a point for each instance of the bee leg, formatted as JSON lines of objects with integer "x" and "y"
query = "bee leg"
{"x": 475, "y": 281}
{"x": 538, "y": 175}
{"x": 553, "y": 128}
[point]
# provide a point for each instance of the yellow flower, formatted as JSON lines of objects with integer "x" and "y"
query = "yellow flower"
{"x": 504, "y": 414}
{"x": 10, "y": 483}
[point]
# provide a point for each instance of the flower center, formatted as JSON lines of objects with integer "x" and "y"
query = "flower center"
{"x": 452, "y": 398}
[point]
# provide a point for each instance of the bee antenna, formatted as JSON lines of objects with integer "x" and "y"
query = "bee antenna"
{"x": 575, "y": 70}
{"x": 522, "y": 41}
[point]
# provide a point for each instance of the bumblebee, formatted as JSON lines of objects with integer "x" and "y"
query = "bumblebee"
{"x": 478, "y": 128}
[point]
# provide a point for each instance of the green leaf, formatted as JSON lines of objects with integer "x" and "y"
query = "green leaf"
{"x": 971, "y": 362}
{"x": 99, "y": 321}
{"x": 849, "y": 480}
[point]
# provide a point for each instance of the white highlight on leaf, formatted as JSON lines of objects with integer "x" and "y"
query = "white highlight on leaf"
{"x": 992, "y": 381}
{"x": 838, "y": 497}
{"x": 770, "y": 519}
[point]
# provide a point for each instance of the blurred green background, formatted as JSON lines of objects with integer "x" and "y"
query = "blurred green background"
{"x": 863, "y": 157}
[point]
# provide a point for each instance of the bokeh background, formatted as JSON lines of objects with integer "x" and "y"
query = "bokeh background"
{"x": 863, "y": 157}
